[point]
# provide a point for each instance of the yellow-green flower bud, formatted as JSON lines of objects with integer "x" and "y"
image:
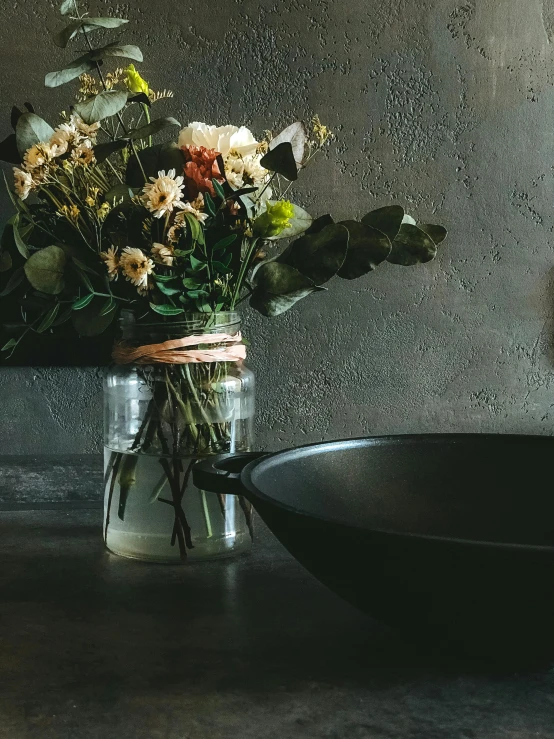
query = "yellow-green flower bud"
{"x": 134, "y": 81}
{"x": 275, "y": 219}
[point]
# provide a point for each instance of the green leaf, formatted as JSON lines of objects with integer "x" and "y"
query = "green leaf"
{"x": 190, "y": 283}
{"x": 195, "y": 228}
{"x": 153, "y": 128}
{"x": 88, "y": 321}
{"x": 21, "y": 245}
{"x": 101, "y": 106}
{"x": 277, "y": 287}
{"x": 436, "y": 233}
{"x": 281, "y": 160}
{"x": 295, "y": 134}
{"x": 68, "y": 6}
{"x": 9, "y": 345}
{"x": 63, "y": 37}
{"x": 15, "y": 280}
{"x": 164, "y": 278}
{"x": 5, "y": 261}
{"x": 219, "y": 191}
{"x": 209, "y": 204}
{"x": 48, "y": 319}
{"x": 31, "y": 129}
{"x": 226, "y": 241}
{"x": 63, "y": 317}
{"x": 141, "y": 98}
{"x": 300, "y": 222}
{"x": 86, "y": 280}
{"x": 119, "y": 191}
{"x": 8, "y": 150}
{"x": 166, "y": 310}
{"x": 411, "y": 246}
{"x": 83, "y": 302}
{"x": 106, "y": 149}
{"x": 44, "y": 269}
{"x": 167, "y": 290}
{"x": 319, "y": 224}
{"x": 387, "y": 220}
{"x": 62, "y": 76}
{"x": 318, "y": 256}
{"x": 108, "y": 307}
{"x": 367, "y": 248}
{"x": 220, "y": 267}
{"x": 127, "y": 51}
{"x": 196, "y": 264}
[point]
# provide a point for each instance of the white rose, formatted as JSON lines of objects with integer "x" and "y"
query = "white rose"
{"x": 221, "y": 138}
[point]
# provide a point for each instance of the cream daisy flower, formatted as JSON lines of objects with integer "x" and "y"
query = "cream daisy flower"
{"x": 194, "y": 208}
{"x": 163, "y": 254}
{"x": 164, "y": 193}
{"x": 111, "y": 260}
{"x": 136, "y": 266}
{"x": 60, "y": 141}
{"x": 85, "y": 129}
{"x": 84, "y": 153}
{"x": 37, "y": 156}
{"x": 23, "y": 182}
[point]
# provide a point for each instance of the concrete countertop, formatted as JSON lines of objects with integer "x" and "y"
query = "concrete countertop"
{"x": 96, "y": 646}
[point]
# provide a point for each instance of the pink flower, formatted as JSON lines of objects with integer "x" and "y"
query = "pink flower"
{"x": 200, "y": 169}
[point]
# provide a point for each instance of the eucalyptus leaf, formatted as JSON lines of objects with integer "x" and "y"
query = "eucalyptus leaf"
{"x": 63, "y": 317}
{"x": 63, "y": 37}
{"x": 20, "y": 244}
{"x": 31, "y": 129}
{"x": 295, "y": 134}
{"x": 277, "y": 287}
{"x": 367, "y": 248}
{"x": 83, "y": 302}
{"x": 15, "y": 280}
{"x": 45, "y": 268}
{"x": 62, "y": 76}
{"x": 68, "y": 6}
{"x": 89, "y": 322}
{"x": 154, "y": 159}
{"x": 48, "y": 319}
{"x": 5, "y": 261}
{"x": 166, "y": 310}
{"x": 103, "y": 105}
{"x": 299, "y": 223}
{"x": 281, "y": 160}
{"x": 411, "y": 246}
{"x": 387, "y": 220}
{"x": 106, "y": 149}
{"x": 318, "y": 256}
{"x": 153, "y": 128}
{"x": 119, "y": 191}
{"x": 437, "y": 233}
{"x": 319, "y": 223}
{"x": 127, "y": 51}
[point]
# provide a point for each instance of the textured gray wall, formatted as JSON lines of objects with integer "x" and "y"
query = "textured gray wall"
{"x": 445, "y": 106}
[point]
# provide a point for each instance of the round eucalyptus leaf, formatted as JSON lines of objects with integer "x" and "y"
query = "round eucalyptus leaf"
{"x": 277, "y": 287}
{"x": 295, "y": 134}
{"x": 318, "y": 256}
{"x": 367, "y": 248}
{"x": 154, "y": 159}
{"x": 281, "y": 160}
{"x": 437, "y": 233}
{"x": 101, "y": 106}
{"x": 387, "y": 219}
{"x": 31, "y": 129}
{"x": 63, "y": 37}
{"x": 44, "y": 269}
{"x": 411, "y": 246}
{"x": 299, "y": 223}
{"x": 152, "y": 128}
{"x": 61, "y": 77}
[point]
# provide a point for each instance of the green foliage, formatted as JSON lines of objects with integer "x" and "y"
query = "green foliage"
{"x": 295, "y": 134}
{"x": 387, "y": 220}
{"x": 107, "y": 148}
{"x": 153, "y": 159}
{"x": 83, "y": 302}
{"x": 318, "y": 256}
{"x": 300, "y": 222}
{"x": 281, "y": 161}
{"x": 166, "y": 310}
{"x": 153, "y": 128}
{"x": 31, "y": 129}
{"x": 367, "y": 248}
{"x": 70, "y": 73}
{"x": 91, "y": 320}
{"x": 45, "y": 270}
{"x": 48, "y": 319}
{"x": 63, "y": 37}
{"x": 411, "y": 246}
{"x": 277, "y": 287}
{"x": 101, "y": 106}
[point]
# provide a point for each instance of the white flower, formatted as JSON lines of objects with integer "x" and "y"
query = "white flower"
{"x": 83, "y": 128}
{"x": 23, "y": 182}
{"x": 164, "y": 194}
{"x": 163, "y": 254}
{"x": 60, "y": 141}
{"x": 254, "y": 173}
{"x": 136, "y": 267}
{"x": 111, "y": 261}
{"x": 221, "y": 138}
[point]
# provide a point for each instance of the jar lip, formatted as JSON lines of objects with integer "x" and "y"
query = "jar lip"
{"x": 227, "y": 318}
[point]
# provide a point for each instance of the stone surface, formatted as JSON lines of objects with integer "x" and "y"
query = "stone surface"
{"x": 444, "y": 105}
{"x": 94, "y": 646}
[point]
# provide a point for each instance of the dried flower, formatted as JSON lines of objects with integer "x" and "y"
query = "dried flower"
{"x": 87, "y": 130}
{"x": 23, "y": 182}
{"x": 103, "y": 211}
{"x": 37, "y": 156}
{"x": 164, "y": 194}
{"x": 83, "y": 154}
{"x": 111, "y": 260}
{"x": 60, "y": 141}
{"x": 163, "y": 254}
{"x": 136, "y": 266}
{"x": 321, "y": 132}
{"x": 200, "y": 169}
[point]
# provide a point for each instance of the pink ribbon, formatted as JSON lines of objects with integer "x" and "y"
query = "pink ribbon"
{"x": 173, "y": 351}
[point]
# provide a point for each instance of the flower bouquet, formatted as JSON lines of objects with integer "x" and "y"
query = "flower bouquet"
{"x": 117, "y": 215}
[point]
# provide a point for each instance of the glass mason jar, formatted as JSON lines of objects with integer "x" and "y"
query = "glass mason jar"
{"x": 158, "y": 420}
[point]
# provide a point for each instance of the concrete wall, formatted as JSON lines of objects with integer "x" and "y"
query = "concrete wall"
{"x": 444, "y": 105}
